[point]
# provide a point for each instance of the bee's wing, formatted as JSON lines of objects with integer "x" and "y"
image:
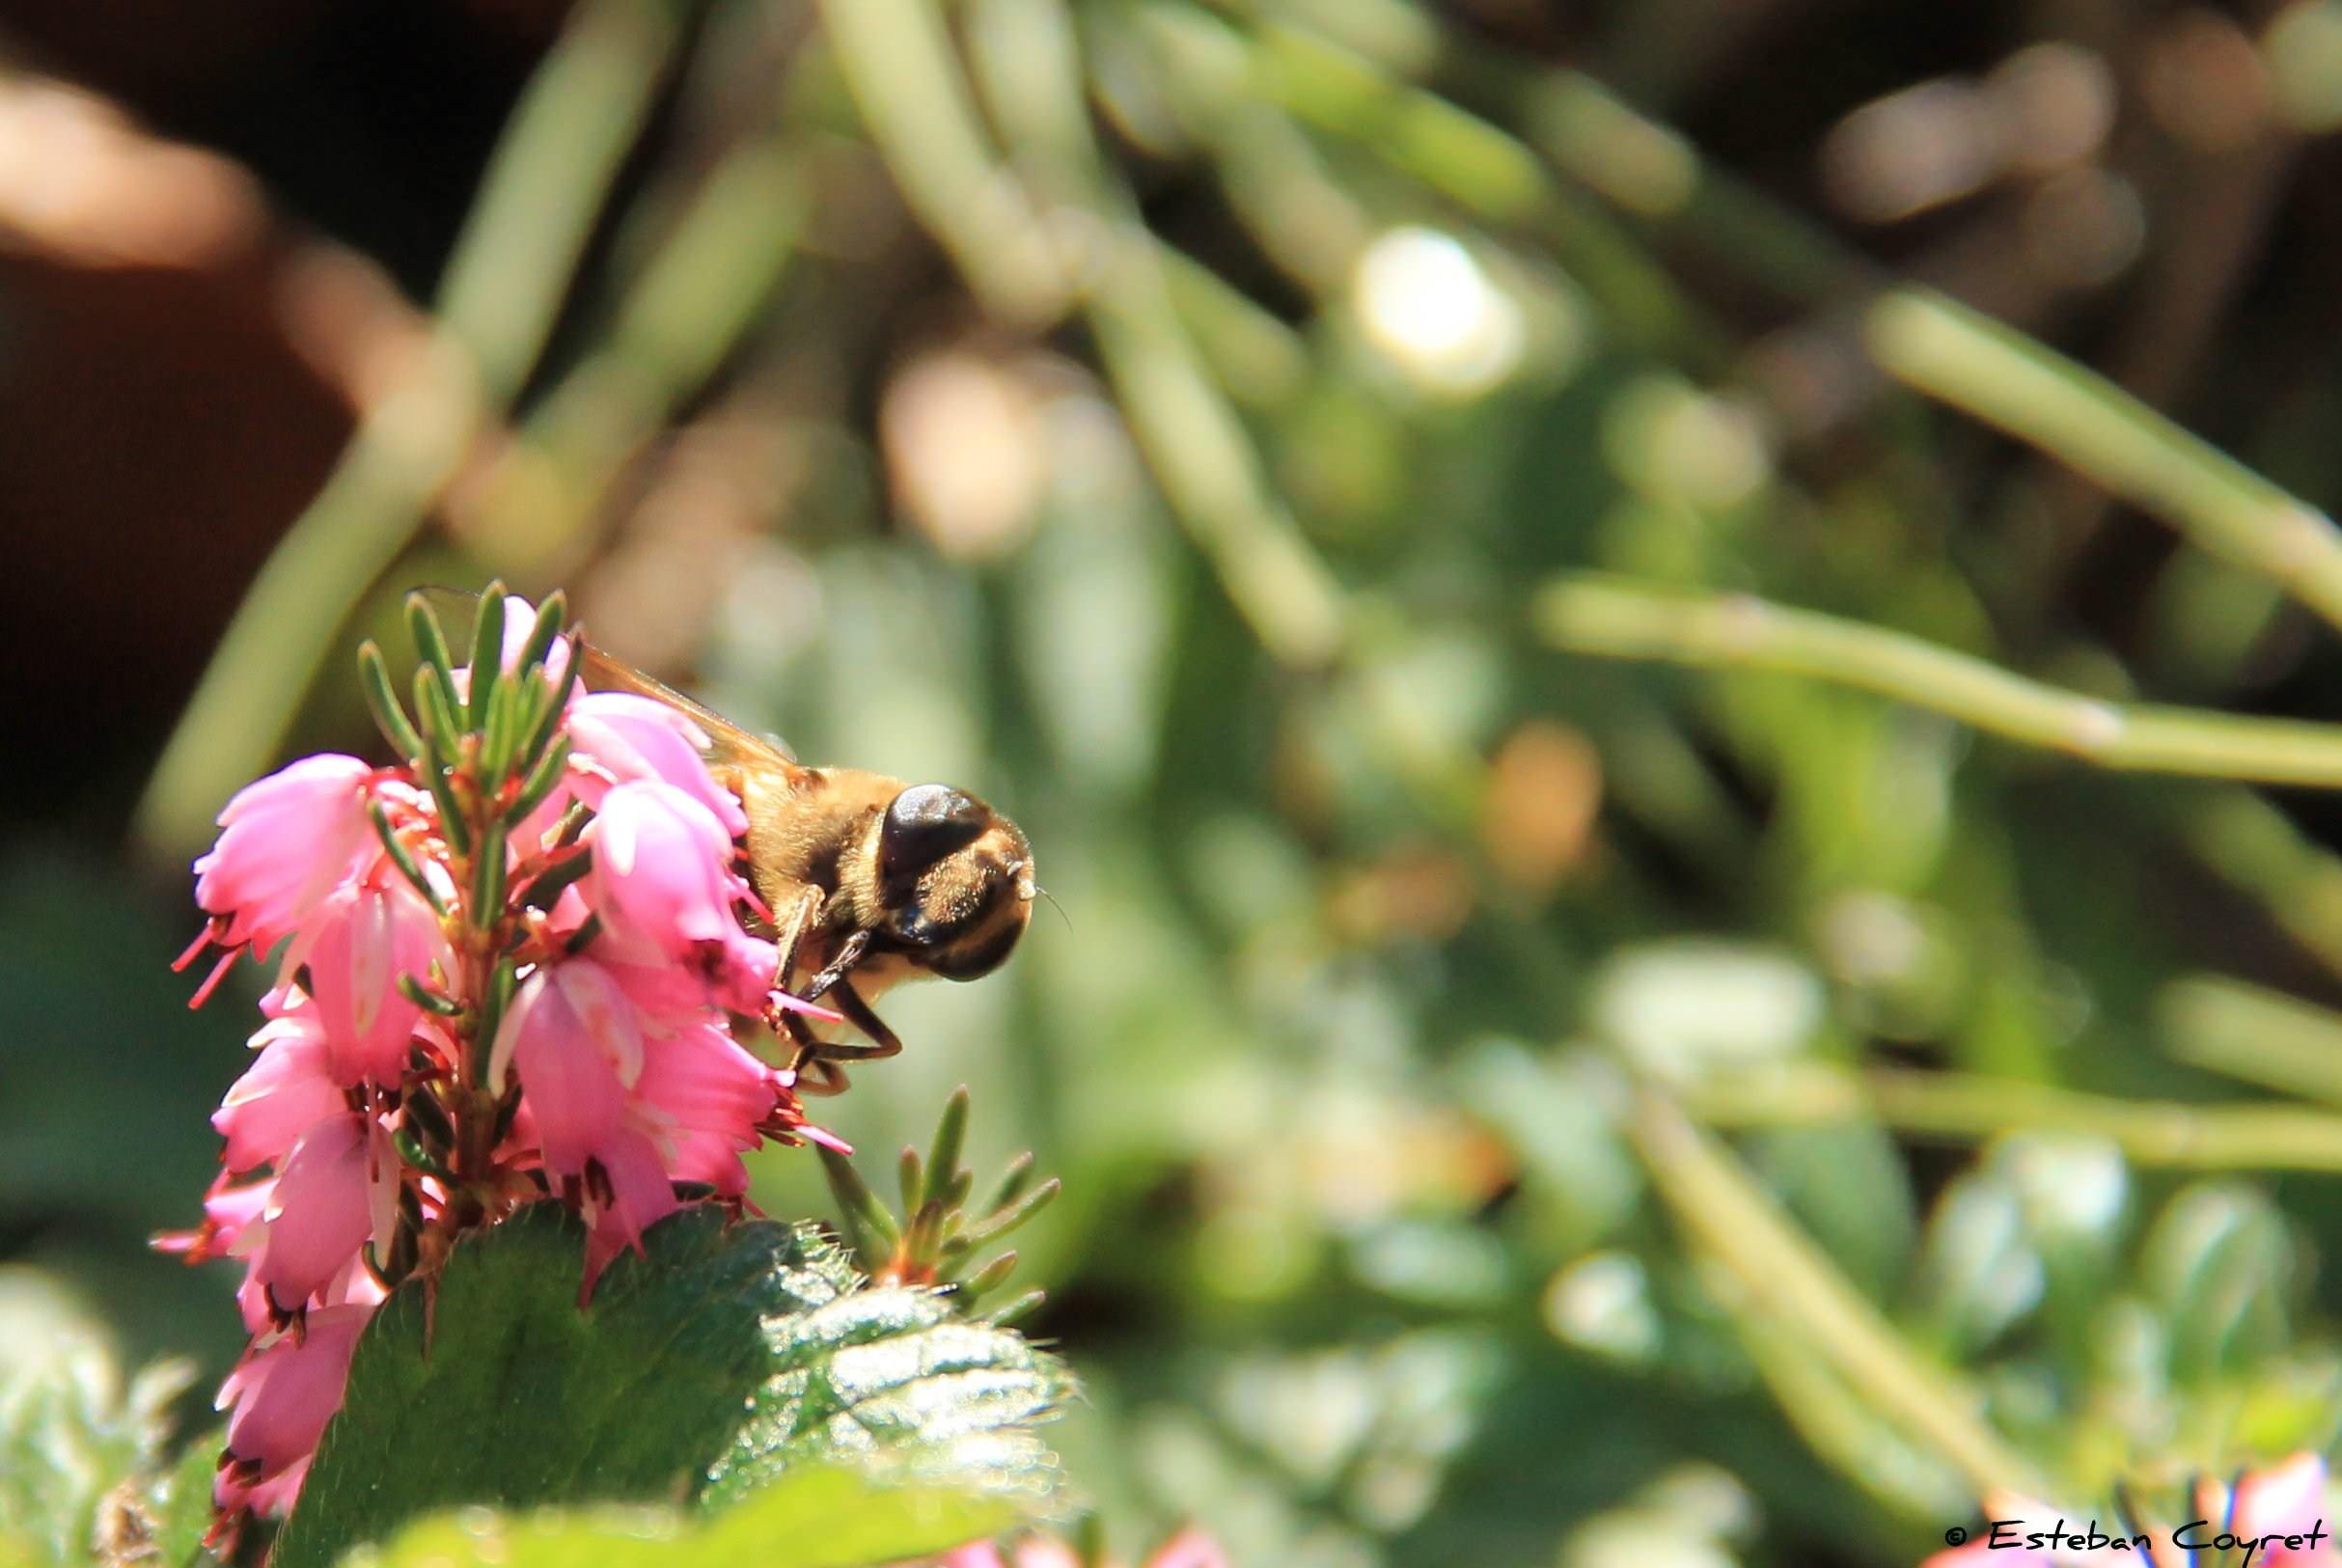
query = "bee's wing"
{"x": 726, "y": 741}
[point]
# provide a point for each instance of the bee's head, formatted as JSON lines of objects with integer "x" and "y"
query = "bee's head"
{"x": 955, "y": 881}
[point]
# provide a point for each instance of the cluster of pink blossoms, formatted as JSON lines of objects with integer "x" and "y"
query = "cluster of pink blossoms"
{"x": 432, "y": 1059}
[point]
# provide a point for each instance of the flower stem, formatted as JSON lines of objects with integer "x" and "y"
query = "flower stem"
{"x": 1725, "y": 1212}
{"x": 2005, "y": 379}
{"x": 1585, "y": 613}
{"x": 2167, "y": 1134}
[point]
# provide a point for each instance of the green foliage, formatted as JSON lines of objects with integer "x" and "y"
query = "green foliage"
{"x": 938, "y": 1240}
{"x": 813, "y": 1516}
{"x": 82, "y": 1458}
{"x": 728, "y": 1354}
{"x": 1541, "y": 1067}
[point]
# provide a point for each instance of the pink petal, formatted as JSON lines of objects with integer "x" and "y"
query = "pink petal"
{"x": 576, "y": 1042}
{"x": 617, "y": 737}
{"x": 1191, "y": 1548}
{"x": 284, "y": 1393}
{"x": 288, "y": 1089}
{"x": 319, "y": 1213}
{"x": 364, "y": 939}
{"x": 288, "y": 840}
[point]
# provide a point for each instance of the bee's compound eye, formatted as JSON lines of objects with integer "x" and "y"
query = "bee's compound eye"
{"x": 926, "y": 823}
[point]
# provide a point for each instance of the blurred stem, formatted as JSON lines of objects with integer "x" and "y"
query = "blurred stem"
{"x": 2257, "y": 848}
{"x": 1618, "y": 620}
{"x": 504, "y": 282}
{"x": 695, "y": 300}
{"x": 1195, "y": 443}
{"x": 2005, "y": 379}
{"x": 2257, "y": 1036}
{"x": 1723, "y": 1209}
{"x": 1837, "y": 1424}
{"x": 2165, "y": 1134}
{"x": 897, "y": 59}
{"x": 1631, "y": 160}
{"x": 1486, "y": 171}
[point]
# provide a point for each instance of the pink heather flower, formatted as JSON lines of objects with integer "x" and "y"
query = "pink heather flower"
{"x": 617, "y": 737}
{"x": 320, "y": 1210}
{"x": 283, "y": 1394}
{"x": 615, "y": 1064}
{"x": 287, "y": 841}
{"x": 624, "y": 1106}
{"x": 361, "y": 941}
{"x": 575, "y": 1041}
{"x": 289, "y": 1087}
{"x": 1191, "y": 1548}
{"x": 662, "y": 880}
{"x": 701, "y": 1099}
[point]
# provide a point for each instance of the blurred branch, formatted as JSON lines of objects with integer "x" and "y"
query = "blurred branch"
{"x": 1723, "y": 1209}
{"x": 1578, "y": 125}
{"x": 700, "y": 293}
{"x": 897, "y": 57}
{"x": 504, "y": 285}
{"x": 2255, "y": 1036}
{"x": 1193, "y": 439}
{"x": 1484, "y": 170}
{"x": 2259, "y": 850}
{"x": 2166, "y": 1133}
{"x": 2010, "y": 380}
{"x": 1617, "y": 619}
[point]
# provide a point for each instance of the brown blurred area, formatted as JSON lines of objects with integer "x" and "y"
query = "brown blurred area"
{"x": 210, "y": 218}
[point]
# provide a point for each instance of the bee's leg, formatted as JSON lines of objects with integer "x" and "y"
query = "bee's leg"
{"x": 816, "y": 1063}
{"x": 815, "y": 1073}
{"x": 849, "y": 953}
{"x": 884, "y": 1041}
{"x": 791, "y": 926}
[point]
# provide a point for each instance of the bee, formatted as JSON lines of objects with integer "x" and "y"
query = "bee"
{"x": 869, "y": 881}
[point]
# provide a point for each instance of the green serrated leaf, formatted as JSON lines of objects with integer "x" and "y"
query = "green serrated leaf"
{"x": 896, "y": 1380}
{"x": 725, "y": 1360}
{"x": 525, "y": 1399}
{"x": 819, "y": 1517}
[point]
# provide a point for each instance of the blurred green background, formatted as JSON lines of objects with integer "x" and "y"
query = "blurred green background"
{"x": 1516, "y": 1107}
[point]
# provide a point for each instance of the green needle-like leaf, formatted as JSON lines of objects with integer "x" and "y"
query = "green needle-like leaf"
{"x": 374, "y": 677}
{"x": 911, "y": 1177}
{"x": 950, "y": 1135}
{"x": 542, "y": 776}
{"x": 856, "y": 1200}
{"x": 551, "y": 617}
{"x": 487, "y": 656}
{"x": 430, "y": 646}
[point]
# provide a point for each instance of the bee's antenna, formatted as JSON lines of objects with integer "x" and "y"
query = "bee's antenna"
{"x": 1044, "y": 892}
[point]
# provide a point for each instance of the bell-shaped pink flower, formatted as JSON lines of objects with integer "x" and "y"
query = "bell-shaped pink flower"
{"x": 575, "y": 1041}
{"x": 285, "y": 1392}
{"x": 287, "y": 1090}
{"x": 618, "y": 737}
{"x": 287, "y": 841}
{"x": 320, "y": 1211}
{"x": 662, "y": 881}
{"x": 701, "y": 1099}
{"x": 364, "y": 938}
{"x": 630, "y": 1190}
